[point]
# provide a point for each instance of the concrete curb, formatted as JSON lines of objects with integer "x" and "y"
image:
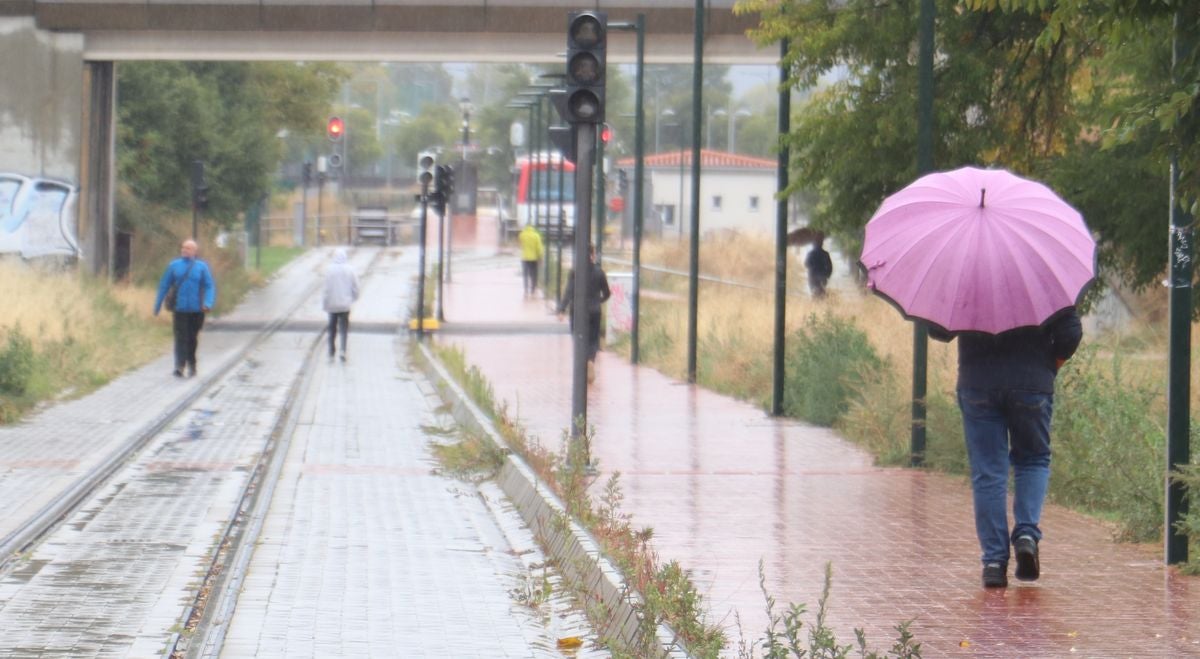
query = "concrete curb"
{"x": 579, "y": 557}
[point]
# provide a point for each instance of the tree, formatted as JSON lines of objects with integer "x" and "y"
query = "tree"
{"x": 1000, "y": 97}
{"x": 225, "y": 114}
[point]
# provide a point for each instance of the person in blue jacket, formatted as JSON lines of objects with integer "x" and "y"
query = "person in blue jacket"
{"x": 195, "y": 293}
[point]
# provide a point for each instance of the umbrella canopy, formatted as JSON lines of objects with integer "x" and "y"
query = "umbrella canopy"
{"x": 978, "y": 250}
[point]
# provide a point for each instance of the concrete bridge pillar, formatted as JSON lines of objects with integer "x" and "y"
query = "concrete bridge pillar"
{"x": 97, "y": 207}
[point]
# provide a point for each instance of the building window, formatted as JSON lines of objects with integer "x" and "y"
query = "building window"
{"x": 753, "y": 203}
{"x": 716, "y": 201}
{"x": 666, "y": 213}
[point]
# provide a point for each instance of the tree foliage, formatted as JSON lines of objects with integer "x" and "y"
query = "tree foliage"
{"x": 227, "y": 115}
{"x": 1075, "y": 92}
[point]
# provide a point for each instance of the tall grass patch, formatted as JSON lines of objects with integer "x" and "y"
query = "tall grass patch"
{"x": 828, "y": 361}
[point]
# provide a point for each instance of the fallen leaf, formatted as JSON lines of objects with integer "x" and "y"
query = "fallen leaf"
{"x": 570, "y": 642}
{"x": 964, "y": 644}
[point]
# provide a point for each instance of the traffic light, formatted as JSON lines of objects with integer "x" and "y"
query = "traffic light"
{"x": 606, "y": 134}
{"x": 622, "y": 181}
{"x": 307, "y": 174}
{"x": 587, "y": 41}
{"x": 199, "y": 185}
{"x": 425, "y": 164}
{"x": 444, "y": 185}
{"x": 336, "y": 129}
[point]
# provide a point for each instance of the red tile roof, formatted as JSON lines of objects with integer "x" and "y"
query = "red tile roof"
{"x": 708, "y": 158}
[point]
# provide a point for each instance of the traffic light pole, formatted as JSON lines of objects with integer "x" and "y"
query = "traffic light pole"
{"x": 585, "y": 143}
{"x": 421, "y": 262}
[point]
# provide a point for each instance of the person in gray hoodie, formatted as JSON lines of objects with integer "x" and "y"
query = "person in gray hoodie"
{"x": 341, "y": 290}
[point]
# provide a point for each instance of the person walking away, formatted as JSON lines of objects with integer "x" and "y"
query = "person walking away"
{"x": 1006, "y": 394}
{"x": 341, "y": 290}
{"x": 192, "y": 294}
{"x": 820, "y": 268}
{"x": 597, "y": 293}
{"x": 531, "y": 252}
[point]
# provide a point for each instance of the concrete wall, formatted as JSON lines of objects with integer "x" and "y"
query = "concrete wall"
{"x": 40, "y": 78}
{"x": 41, "y": 108}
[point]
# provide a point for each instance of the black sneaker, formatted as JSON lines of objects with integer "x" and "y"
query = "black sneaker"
{"x": 995, "y": 575}
{"x": 1026, "y": 549}
{"x": 191, "y": 370}
{"x": 177, "y": 372}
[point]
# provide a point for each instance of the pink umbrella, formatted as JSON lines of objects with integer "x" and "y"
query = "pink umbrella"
{"x": 978, "y": 250}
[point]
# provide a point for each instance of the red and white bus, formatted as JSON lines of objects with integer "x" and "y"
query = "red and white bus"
{"x": 537, "y": 197}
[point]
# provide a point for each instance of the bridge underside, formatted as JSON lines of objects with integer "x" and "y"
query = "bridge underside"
{"x": 382, "y": 30}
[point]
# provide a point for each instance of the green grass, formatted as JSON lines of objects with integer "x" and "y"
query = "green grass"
{"x": 270, "y": 258}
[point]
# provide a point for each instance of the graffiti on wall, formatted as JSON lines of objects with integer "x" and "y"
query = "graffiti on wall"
{"x": 37, "y": 217}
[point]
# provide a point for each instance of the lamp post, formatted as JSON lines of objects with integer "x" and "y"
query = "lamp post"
{"x": 719, "y": 112}
{"x": 464, "y": 106}
{"x": 732, "y": 145}
{"x": 639, "y": 26}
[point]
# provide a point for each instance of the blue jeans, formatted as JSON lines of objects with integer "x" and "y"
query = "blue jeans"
{"x": 1002, "y": 428}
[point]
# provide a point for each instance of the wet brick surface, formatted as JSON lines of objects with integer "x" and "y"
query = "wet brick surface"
{"x": 725, "y": 486}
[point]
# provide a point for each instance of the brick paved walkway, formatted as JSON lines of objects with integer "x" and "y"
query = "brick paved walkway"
{"x": 723, "y": 485}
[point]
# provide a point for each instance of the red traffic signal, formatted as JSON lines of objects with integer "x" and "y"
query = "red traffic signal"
{"x": 605, "y": 134}
{"x": 335, "y": 128}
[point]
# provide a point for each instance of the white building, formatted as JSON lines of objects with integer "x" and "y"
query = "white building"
{"x": 736, "y": 191}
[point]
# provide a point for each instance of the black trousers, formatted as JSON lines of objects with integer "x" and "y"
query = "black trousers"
{"x": 529, "y": 270}
{"x": 338, "y": 321}
{"x": 187, "y": 326}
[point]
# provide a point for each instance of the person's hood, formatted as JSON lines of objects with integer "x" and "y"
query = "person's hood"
{"x": 339, "y": 256}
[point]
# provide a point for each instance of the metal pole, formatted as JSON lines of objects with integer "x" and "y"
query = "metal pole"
{"x": 694, "y": 265}
{"x": 421, "y": 263}
{"x": 562, "y": 227}
{"x": 441, "y": 266}
{"x": 599, "y": 216}
{"x": 781, "y": 225}
{"x": 924, "y": 165}
{"x": 544, "y": 203}
{"x": 639, "y": 155}
{"x": 1180, "y": 311}
{"x": 585, "y": 141}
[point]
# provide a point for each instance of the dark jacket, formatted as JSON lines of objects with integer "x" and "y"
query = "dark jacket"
{"x": 597, "y": 290}
{"x": 818, "y": 263}
{"x": 1023, "y": 359}
{"x": 196, "y": 292}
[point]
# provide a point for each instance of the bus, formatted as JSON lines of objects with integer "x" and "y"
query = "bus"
{"x": 537, "y": 198}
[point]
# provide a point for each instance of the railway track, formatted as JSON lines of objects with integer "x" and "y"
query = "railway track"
{"x": 154, "y": 468}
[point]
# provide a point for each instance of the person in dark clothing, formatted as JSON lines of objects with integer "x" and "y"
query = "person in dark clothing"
{"x": 195, "y": 293}
{"x": 597, "y": 294}
{"x": 1006, "y": 394}
{"x": 820, "y": 268}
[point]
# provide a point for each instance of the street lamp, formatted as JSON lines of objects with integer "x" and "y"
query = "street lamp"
{"x": 733, "y": 128}
{"x": 719, "y": 112}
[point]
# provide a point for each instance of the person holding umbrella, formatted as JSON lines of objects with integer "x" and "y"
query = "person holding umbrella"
{"x": 999, "y": 262}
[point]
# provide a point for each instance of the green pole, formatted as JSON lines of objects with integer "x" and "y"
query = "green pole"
{"x": 694, "y": 243}
{"x": 781, "y": 224}
{"x": 924, "y": 164}
{"x": 639, "y": 154}
{"x": 1180, "y": 312}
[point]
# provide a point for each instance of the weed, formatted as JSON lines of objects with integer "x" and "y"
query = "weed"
{"x": 17, "y": 360}
{"x": 471, "y": 458}
{"x": 786, "y": 635}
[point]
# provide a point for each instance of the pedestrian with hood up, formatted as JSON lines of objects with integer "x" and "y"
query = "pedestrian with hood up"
{"x": 188, "y": 291}
{"x": 820, "y": 268}
{"x": 597, "y": 294}
{"x": 341, "y": 291}
{"x": 531, "y": 253}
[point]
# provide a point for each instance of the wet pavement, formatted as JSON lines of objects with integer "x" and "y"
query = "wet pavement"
{"x": 365, "y": 551}
{"x": 724, "y": 486}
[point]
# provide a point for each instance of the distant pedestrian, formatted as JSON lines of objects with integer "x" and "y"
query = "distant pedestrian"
{"x": 1006, "y": 394}
{"x": 341, "y": 290}
{"x": 820, "y": 268}
{"x": 531, "y": 253}
{"x": 597, "y": 294}
{"x": 188, "y": 290}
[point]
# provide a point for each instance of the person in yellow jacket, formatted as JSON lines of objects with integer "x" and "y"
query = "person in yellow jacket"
{"x": 531, "y": 253}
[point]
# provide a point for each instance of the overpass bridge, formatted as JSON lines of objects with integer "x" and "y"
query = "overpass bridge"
{"x": 58, "y": 74}
{"x": 379, "y": 30}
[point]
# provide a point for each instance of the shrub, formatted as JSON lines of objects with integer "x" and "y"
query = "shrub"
{"x": 16, "y": 363}
{"x": 828, "y": 360}
{"x": 1108, "y": 445}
